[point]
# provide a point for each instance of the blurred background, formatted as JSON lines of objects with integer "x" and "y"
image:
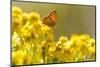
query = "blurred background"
{"x": 71, "y": 19}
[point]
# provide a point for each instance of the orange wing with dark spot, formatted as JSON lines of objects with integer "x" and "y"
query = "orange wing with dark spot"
{"x": 53, "y": 16}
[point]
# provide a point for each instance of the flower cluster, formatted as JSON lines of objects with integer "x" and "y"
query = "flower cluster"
{"x": 33, "y": 42}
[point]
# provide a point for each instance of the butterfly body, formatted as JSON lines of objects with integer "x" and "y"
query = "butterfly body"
{"x": 50, "y": 19}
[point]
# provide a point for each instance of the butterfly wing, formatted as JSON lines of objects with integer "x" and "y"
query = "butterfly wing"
{"x": 53, "y": 16}
{"x": 45, "y": 20}
{"x": 50, "y": 19}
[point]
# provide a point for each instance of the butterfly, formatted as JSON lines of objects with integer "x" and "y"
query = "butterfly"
{"x": 50, "y": 19}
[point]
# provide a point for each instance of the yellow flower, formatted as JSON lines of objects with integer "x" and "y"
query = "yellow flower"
{"x": 18, "y": 57}
{"x": 63, "y": 39}
{"x": 16, "y": 10}
{"x": 84, "y": 37}
{"x": 16, "y": 41}
{"x": 34, "y": 17}
{"x": 74, "y": 37}
{"x": 92, "y": 48}
{"x": 47, "y": 33}
{"x": 67, "y": 52}
{"x": 25, "y": 19}
{"x": 92, "y": 43}
{"x": 16, "y": 18}
{"x": 25, "y": 32}
{"x": 67, "y": 55}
